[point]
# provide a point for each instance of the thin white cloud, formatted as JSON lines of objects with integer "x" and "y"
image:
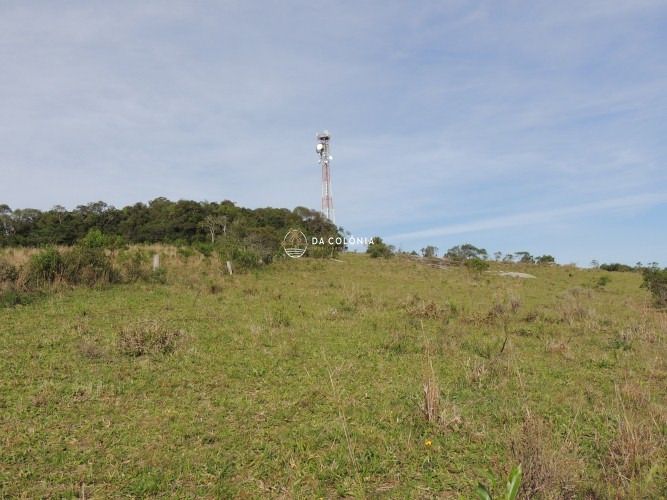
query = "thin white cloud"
{"x": 539, "y": 217}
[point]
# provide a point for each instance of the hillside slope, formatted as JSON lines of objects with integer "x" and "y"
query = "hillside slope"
{"x": 307, "y": 379}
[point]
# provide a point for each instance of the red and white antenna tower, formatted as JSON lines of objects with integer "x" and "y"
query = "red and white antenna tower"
{"x": 322, "y": 149}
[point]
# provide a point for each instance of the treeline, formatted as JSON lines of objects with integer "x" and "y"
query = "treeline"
{"x": 160, "y": 220}
{"x": 466, "y": 252}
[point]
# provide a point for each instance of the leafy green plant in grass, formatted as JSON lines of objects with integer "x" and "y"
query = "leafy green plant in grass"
{"x": 602, "y": 281}
{"x": 511, "y": 491}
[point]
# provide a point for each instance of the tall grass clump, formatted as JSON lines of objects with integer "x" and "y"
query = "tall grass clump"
{"x": 551, "y": 467}
{"x": 148, "y": 337}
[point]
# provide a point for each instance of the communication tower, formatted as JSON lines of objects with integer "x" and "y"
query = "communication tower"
{"x": 324, "y": 153}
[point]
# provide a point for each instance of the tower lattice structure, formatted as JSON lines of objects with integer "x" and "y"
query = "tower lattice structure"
{"x": 324, "y": 152}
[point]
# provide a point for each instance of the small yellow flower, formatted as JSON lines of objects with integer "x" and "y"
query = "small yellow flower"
{"x": 428, "y": 442}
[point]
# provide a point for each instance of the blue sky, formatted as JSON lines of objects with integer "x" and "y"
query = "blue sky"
{"x": 534, "y": 126}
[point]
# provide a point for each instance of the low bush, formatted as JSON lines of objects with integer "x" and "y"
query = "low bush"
{"x": 45, "y": 266}
{"x": 616, "y": 267}
{"x": 245, "y": 259}
{"x": 379, "y": 248}
{"x": 206, "y": 249}
{"x": 602, "y": 281}
{"x": 8, "y": 272}
{"x": 134, "y": 265}
{"x": 476, "y": 265}
{"x": 94, "y": 239}
{"x": 655, "y": 280}
{"x": 242, "y": 257}
{"x": 88, "y": 265}
{"x": 11, "y": 297}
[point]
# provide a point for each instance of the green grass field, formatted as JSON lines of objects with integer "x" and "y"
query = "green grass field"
{"x": 306, "y": 379}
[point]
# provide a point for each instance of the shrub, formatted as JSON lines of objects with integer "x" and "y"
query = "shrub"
{"x": 8, "y": 272}
{"x": 134, "y": 265}
{"x": 88, "y": 265}
{"x": 602, "y": 281}
{"x": 243, "y": 258}
{"x": 476, "y": 265}
{"x": 94, "y": 239}
{"x": 616, "y": 267}
{"x": 545, "y": 259}
{"x": 45, "y": 266}
{"x": 459, "y": 253}
{"x": 148, "y": 337}
{"x": 12, "y": 297}
{"x": 206, "y": 249}
{"x": 655, "y": 281}
{"x": 379, "y": 248}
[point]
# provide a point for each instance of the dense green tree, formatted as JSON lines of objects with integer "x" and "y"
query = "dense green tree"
{"x": 259, "y": 231}
{"x": 615, "y": 266}
{"x": 525, "y": 257}
{"x": 429, "y": 251}
{"x": 379, "y": 248}
{"x": 461, "y": 253}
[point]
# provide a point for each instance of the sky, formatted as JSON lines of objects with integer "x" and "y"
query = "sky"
{"x": 536, "y": 126}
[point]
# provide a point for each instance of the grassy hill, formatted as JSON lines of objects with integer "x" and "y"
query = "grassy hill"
{"x": 318, "y": 378}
